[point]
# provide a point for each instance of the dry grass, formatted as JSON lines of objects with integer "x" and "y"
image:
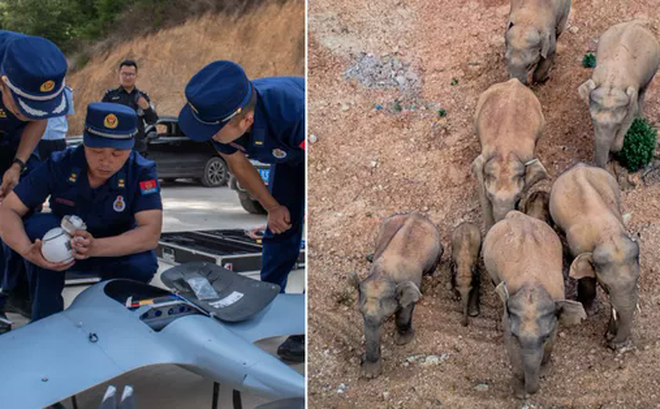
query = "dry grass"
{"x": 267, "y": 40}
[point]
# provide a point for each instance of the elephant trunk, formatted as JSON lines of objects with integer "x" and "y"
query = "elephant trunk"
{"x": 604, "y": 139}
{"x": 532, "y": 359}
{"x": 372, "y": 338}
{"x": 521, "y": 73}
{"x": 465, "y": 300}
{"x": 501, "y": 208}
{"x": 625, "y": 309}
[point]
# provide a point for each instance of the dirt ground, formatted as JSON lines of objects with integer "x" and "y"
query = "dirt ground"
{"x": 379, "y": 72}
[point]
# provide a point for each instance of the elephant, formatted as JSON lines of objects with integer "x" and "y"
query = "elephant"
{"x": 466, "y": 244}
{"x": 627, "y": 59}
{"x": 407, "y": 247}
{"x": 538, "y": 206}
{"x": 585, "y": 204}
{"x": 523, "y": 257}
{"x": 507, "y": 167}
{"x": 531, "y": 36}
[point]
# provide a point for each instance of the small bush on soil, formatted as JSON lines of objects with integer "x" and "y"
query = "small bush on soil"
{"x": 454, "y": 82}
{"x": 589, "y": 61}
{"x": 638, "y": 145}
{"x": 442, "y": 113}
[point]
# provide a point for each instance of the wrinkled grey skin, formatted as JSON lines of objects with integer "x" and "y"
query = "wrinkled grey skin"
{"x": 407, "y": 247}
{"x": 506, "y": 167}
{"x": 530, "y": 344}
{"x": 531, "y": 36}
{"x": 627, "y": 59}
{"x": 523, "y": 257}
{"x": 585, "y": 204}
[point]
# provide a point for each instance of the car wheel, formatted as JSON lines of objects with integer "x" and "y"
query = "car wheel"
{"x": 251, "y": 205}
{"x": 215, "y": 172}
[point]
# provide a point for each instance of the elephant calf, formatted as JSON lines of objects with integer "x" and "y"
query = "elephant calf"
{"x": 508, "y": 123}
{"x": 466, "y": 243}
{"x": 523, "y": 257}
{"x": 407, "y": 247}
{"x": 585, "y": 204}
{"x": 538, "y": 206}
{"x": 627, "y": 59}
{"x": 531, "y": 36}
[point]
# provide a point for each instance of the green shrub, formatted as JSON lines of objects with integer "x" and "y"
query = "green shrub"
{"x": 638, "y": 145}
{"x": 589, "y": 61}
{"x": 442, "y": 113}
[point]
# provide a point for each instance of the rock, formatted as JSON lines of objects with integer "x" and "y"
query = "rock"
{"x": 431, "y": 360}
{"x": 341, "y": 389}
{"x": 386, "y": 396}
{"x": 562, "y": 334}
{"x": 573, "y": 29}
{"x": 374, "y": 163}
{"x": 312, "y": 138}
{"x": 482, "y": 387}
{"x": 345, "y": 107}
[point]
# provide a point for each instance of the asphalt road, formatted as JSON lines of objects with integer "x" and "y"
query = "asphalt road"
{"x": 187, "y": 206}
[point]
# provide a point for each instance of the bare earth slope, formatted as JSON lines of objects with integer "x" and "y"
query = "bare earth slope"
{"x": 379, "y": 74}
{"x": 266, "y": 41}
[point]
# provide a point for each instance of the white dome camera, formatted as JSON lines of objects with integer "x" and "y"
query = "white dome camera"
{"x": 56, "y": 243}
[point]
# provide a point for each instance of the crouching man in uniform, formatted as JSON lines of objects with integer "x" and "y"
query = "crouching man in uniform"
{"x": 112, "y": 189}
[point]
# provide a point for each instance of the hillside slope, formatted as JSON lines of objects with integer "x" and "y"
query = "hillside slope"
{"x": 269, "y": 40}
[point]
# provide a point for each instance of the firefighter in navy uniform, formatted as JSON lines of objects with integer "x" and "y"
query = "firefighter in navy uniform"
{"x": 32, "y": 82}
{"x": 263, "y": 119}
{"x": 128, "y": 94}
{"x": 111, "y": 188}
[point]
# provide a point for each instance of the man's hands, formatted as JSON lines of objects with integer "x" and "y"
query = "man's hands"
{"x": 279, "y": 219}
{"x": 10, "y": 180}
{"x": 142, "y": 102}
{"x": 33, "y": 255}
{"x": 83, "y": 244}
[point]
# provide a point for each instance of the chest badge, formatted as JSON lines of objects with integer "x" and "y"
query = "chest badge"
{"x": 73, "y": 177}
{"x": 3, "y": 114}
{"x": 279, "y": 153}
{"x": 119, "y": 205}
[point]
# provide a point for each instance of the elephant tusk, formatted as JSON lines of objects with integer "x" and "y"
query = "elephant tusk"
{"x": 614, "y": 314}
{"x": 639, "y": 310}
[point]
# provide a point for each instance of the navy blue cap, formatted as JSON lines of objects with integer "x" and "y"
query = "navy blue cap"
{"x": 34, "y": 69}
{"x": 109, "y": 125}
{"x": 214, "y": 95}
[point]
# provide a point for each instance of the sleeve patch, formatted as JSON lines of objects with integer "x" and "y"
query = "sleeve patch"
{"x": 148, "y": 187}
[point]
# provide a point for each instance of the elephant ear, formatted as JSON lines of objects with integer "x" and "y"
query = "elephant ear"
{"x": 407, "y": 293}
{"x": 354, "y": 280}
{"x": 502, "y": 291}
{"x": 548, "y": 44}
{"x": 582, "y": 267}
{"x": 570, "y": 312}
{"x": 534, "y": 172}
{"x": 586, "y": 89}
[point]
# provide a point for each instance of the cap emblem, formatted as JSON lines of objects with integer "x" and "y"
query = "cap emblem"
{"x": 110, "y": 121}
{"x": 47, "y": 86}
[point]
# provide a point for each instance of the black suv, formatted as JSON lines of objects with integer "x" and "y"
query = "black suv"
{"x": 178, "y": 156}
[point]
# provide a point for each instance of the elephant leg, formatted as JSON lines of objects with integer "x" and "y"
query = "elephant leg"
{"x": 403, "y": 321}
{"x": 542, "y": 71}
{"x": 473, "y": 303}
{"x": 587, "y": 295}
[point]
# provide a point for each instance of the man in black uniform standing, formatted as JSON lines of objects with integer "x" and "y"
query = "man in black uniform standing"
{"x": 128, "y": 94}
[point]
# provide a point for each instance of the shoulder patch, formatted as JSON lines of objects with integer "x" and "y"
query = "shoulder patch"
{"x": 148, "y": 187}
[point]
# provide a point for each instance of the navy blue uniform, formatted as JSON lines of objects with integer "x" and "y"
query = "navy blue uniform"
{"x": 277, "y": 137}
{"x": 108, "y": 210}
{"x": 11, "y": 129}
